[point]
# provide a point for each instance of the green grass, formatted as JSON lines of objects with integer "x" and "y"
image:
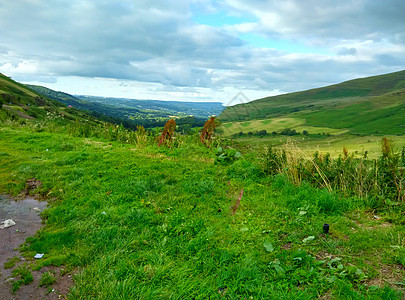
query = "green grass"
{"x": 24, "y": 275}
{"x": 156, "y": 223}
{"x": 368, "y": 117}
{"x": 47, "y": 279}
{"x": 11, "y": 262}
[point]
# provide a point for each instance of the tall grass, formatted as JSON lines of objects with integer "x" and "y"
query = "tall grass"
{"x": 380, "y": 179}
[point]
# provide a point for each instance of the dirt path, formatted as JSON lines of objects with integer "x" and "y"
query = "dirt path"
{"x": 26, "y": 215}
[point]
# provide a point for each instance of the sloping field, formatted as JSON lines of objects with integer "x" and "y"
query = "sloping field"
{"x": 276, "y": 125}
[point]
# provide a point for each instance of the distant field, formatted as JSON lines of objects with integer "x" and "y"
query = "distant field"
{"x": 356, "y": 145}
{"x": 277, "y": 125}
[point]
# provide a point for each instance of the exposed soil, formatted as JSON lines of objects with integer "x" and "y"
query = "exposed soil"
{"x": 26, "y": 215}
{"x": 30, "y": 186}
{"x": 393, "y": 275}
{"x": 286, "y": 246}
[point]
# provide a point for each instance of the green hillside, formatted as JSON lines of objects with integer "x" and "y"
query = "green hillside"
{"x": 17, "y": 102}
{"x": 105, "y": 112}
{"x": 65, "y": 98}
{"x": 364, "y": 106}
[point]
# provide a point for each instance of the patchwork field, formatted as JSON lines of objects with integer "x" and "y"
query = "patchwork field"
{"x": 356, "y": 145}
{"x": 277, "y": 125}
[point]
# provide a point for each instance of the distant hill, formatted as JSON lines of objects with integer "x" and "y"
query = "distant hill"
{"x": 372, "y": 105}
{"x": 167, "y": 108}
{"x": 20, "y": 102}
{"x": 145, "y": 112}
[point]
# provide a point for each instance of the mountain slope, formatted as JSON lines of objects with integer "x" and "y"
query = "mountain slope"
{"x": 367, "y": 105}
{"x": 19, "y": 102}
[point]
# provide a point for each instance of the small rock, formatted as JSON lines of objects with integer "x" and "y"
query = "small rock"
{"x": 7, "y": 223}
{"x": 36, "y": 209}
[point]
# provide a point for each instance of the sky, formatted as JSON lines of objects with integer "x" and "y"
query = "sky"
{"x": 198, "y": 50}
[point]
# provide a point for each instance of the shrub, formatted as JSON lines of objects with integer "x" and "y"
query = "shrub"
{"x": 272, "y": 161}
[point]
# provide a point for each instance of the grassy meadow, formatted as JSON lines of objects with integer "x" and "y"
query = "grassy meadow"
{"x": 137, "y": 221}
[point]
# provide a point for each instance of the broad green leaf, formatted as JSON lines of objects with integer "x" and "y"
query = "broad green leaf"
{"x": 308, "y": 239}
{"x": 244, "y": 229}
{"x": 269, "y": 246}
{"x": 279, "y": 269}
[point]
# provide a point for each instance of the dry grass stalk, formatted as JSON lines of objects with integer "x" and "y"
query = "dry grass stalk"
{"x": 295, "y": 156}
{"x": 236, "y": 206}
{"x": 167, "y": 133}
{"x": 140, "y": 136}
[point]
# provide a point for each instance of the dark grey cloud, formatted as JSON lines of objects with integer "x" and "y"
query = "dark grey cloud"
{"x": 109, "y": 38}
{"x": 390, "y": 60}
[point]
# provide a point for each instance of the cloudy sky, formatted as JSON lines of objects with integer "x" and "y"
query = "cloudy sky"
{"x": 198, "y": 50}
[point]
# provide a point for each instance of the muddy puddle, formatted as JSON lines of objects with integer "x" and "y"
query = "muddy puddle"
{"x": 25, "y": 213}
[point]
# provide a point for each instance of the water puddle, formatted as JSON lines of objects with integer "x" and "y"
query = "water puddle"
{"x": 25, "y": 213}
